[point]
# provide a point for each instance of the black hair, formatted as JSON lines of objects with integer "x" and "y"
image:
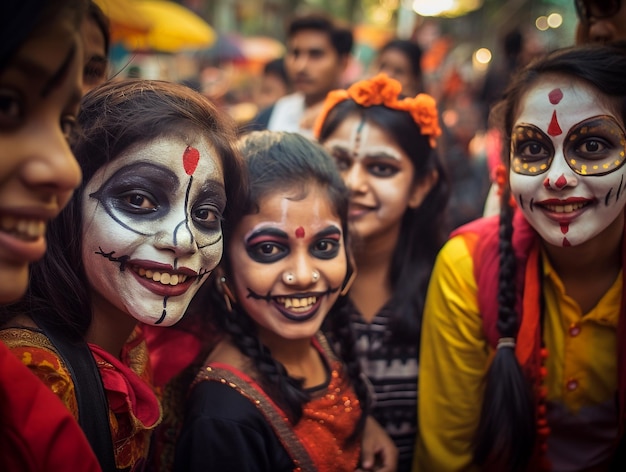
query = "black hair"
{"x": 277, "y": 67}
{"x": 340, "y": 37}
{"x": 423, "y": 229}
{"x": 506, "y": 433}
{"x": 288, "y": 161}
{"x": 114, "y": 117}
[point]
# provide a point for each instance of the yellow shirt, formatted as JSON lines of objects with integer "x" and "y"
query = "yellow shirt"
{"x": 581, "y": 381}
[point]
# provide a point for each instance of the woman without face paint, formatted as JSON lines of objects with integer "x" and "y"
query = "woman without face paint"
{"x": 40, "y": 64}
{"x": 134, "y": 245}
{"x": 272, "y": 393}
{"x": 384, "y": 147}
{"x": 525, "y": 312}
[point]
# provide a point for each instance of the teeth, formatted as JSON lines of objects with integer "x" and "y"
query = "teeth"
{"x": 301, "y": 303}
{"x": 23, "y": 228}
{"x": 568, "y": 208}
{"x": 164, "y": 277}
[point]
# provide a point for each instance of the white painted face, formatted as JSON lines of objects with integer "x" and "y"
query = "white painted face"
{"x": 380, "y": 176}
{"x": 152, "y": 227}
{"x": 567, "y": 156}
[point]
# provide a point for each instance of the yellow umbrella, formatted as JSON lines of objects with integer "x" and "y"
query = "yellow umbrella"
{"x": 173, "y": 27}
{"x": 124, "y": 19}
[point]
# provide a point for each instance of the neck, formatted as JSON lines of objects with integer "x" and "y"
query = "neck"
{"x": 110, "y": 327}
{"x": 589, "y": 270}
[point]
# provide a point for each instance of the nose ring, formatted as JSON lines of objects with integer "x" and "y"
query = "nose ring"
{"x": 316, "y": 276}
{"x": 288, "y": 277}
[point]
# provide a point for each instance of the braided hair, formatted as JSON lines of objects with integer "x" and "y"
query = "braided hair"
{"x": 278, "y": 161}
{"x": 506, "y": 435}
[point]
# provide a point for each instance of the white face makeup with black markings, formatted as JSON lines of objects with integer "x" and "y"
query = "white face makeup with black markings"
{"x": 289, "y": 262}
{"x": 152, "y": 227}
{"x": 567, "y": 155}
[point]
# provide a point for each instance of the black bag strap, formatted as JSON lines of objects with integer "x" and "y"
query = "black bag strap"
{"x": 93, "y": 407}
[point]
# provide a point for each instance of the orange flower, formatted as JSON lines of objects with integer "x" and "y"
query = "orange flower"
{"x": 383, "y": 90}
{"x": 379, "y": 90}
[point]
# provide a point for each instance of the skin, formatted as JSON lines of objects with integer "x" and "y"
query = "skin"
{"x": 40, "y": 91}
{"x": 272, "y": 87}
{"x": 276, "y": 253}
{"x": 95, "y": 57}
{"x": 313, "y": 65}
{"x": 565, "y": 207}
{"x": 153, "y": 231}
{"x": 396, "y": 65}
{"x": 380, "y": 177}
{"x": 602, "y": 30}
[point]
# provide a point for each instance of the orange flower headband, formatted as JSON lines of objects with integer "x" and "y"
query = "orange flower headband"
{"x": 383, "y": 90}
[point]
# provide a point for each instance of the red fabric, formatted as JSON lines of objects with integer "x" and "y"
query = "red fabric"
{"x": 126, "y": 390}
{"x": 171, "y": 350}
{"x": 37, "y": 432}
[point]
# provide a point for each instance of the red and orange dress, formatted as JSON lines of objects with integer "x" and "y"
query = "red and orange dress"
{"x": 134, "y": 409}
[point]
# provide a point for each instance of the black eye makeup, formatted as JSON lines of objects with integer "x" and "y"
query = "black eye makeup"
{"x": 595, "y": 146}
{"x": 267, "y": 245}
{"x": 327, "y": 243}
{"x": 532, "y": 150}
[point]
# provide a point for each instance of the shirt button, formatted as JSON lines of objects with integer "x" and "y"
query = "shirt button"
{"x": 572, "y": 385}
{"x": 574, "y": 330}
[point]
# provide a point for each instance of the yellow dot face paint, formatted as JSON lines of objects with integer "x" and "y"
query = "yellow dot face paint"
{"x": 592, "y": 147}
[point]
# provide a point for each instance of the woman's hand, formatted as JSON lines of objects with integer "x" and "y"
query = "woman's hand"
{"x": 378, "y": 452}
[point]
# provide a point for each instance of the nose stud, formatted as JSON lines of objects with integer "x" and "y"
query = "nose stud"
{"x": 288, "y": 277}
{"x": 315, "y": 276}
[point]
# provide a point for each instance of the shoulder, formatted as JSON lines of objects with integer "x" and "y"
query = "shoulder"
{"x": 37, "y": 431}
{"x": 38, "y": 354}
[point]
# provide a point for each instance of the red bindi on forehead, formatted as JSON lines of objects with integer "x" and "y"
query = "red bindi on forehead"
{"x": 300, "y": 232}
{"x": 555, "y": 96}
{"x": 191, "y": 156}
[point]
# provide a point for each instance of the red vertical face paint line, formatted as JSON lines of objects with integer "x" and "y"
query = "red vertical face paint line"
{"x": 554, "y": 129}
{"x": 299, "y": 232}
{"x": 566, "y": 243}
{"x": 564, "y": 228}
{"x": 191, "y": 156}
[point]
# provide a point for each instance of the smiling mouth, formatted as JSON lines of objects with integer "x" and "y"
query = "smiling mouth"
{"x": 566, "y": 208}
{"x": 297, "y": 308}
{"x": 23, "y": 228}
{"x": 296, "y": 304}
{"x": 163, "y": 277}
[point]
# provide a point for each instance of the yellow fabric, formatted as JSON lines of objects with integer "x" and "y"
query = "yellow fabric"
{"x": 455, "y": 355}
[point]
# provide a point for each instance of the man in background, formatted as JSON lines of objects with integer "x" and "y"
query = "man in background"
{"x": 318, "y": 52}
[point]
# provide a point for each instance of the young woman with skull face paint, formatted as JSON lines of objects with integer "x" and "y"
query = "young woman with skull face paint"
{"x": 272, "y": 393}
{"x": 525, "y": 312}
{"x": 134, "y": 245}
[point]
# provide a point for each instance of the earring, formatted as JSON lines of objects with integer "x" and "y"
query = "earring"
{"x": 315, "y": 276}
{"x": 348, "y": 284}
{"x": 229, "y": 298}
{"x": 288, "y": 277}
